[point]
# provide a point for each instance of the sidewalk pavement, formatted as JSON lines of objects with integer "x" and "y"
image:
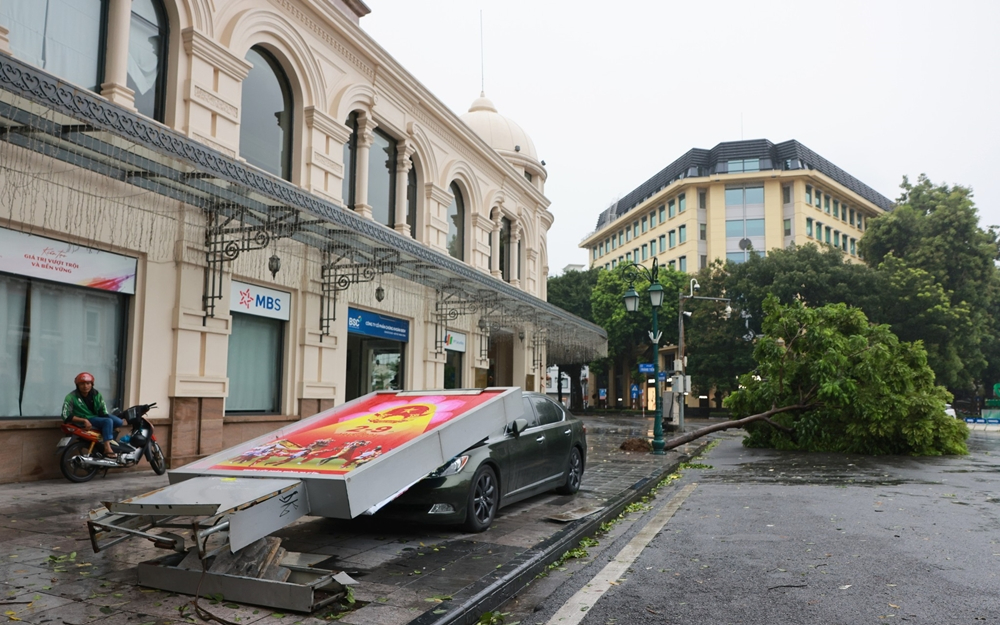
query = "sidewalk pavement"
{"x": 413, "y": 574}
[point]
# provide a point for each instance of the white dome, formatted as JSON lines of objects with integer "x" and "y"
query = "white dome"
{"x": 500, "y": 133}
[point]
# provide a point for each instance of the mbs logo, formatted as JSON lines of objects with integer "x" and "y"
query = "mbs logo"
{"x": 248, "y": 300}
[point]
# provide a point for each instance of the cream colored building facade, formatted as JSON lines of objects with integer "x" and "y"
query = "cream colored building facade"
{"x": 295, "y": 220}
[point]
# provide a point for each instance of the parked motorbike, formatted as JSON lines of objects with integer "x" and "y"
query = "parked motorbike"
{"x": 82, "y": 450}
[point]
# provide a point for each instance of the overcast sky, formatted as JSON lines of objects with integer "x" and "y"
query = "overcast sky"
{"x": 611, "y": 93}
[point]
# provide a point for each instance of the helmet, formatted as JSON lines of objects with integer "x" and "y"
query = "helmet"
{"x": 83, "y": 377}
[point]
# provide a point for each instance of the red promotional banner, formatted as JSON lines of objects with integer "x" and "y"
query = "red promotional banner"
{"x": 344, "y": 439}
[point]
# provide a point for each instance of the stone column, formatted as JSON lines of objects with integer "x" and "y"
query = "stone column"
{"x": 404, "y": 150}
{"x": 115, "y": 87}
{"x": 365, "y": 138}
{"x": 515, "y": 255}
{"x": 495, "y": 245}
{"x": 4, "y": 39}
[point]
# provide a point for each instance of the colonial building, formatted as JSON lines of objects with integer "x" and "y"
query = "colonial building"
{"x": 727, "y": 202}
{"x": 247, "y": 211}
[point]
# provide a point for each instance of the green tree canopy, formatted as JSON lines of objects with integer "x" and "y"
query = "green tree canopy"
{"x": 571, "y": 292}
{"x": 935, "y": 229}
{"x": 846, "y": 386}
{"x": 628, "y": 332}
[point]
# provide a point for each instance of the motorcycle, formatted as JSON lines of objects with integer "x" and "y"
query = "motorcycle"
{"x": 82, "y": 451}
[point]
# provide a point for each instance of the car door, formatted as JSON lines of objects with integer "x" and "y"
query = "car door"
{"x": 528, "y": 451}
{"x": 558, "y": 436}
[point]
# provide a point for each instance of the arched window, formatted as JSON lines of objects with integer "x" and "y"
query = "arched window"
{"x": 382, "y": 178}
{"x": 63, "y": 37}
{"x": 147, "y": 55}
{"x": 411, "y": 199}
{"x": 266, "y": 115}
{"x": 456, "y": 224}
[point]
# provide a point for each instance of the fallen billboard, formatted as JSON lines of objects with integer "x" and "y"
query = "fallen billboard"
{"x": 355, "y": 456}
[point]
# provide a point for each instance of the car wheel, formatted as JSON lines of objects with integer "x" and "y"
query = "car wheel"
{"x": 484, "y": 496}
{"x": 574, "y": 474}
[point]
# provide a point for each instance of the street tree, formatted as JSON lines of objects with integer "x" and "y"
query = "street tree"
{"x": 935, "y": 229}
{"x": 572, "y": 292}
{"x": 628, "y": 337}
{"x": 828, "y": 380}
{"x": 719, "y": 350}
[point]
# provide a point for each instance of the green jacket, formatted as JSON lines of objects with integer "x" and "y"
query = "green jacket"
{"x": 75, "y": 406}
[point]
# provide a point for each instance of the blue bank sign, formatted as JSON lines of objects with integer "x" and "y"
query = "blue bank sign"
{"x": 376, "y": 325}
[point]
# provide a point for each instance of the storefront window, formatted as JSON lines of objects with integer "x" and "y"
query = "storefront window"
{"x": 255, "y": 349}
{"x": 376, "y": 352}
{"x": 52, "y": 332}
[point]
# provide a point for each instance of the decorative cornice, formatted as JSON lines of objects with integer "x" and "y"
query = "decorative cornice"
{"x": 324, "y": 34}
{"x": 197, "y": 44}
{"x": 42, "y": 88}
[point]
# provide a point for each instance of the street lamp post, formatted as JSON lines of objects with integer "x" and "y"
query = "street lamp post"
{"x": 631, "y": 299}
{"x": 680, "y": 340}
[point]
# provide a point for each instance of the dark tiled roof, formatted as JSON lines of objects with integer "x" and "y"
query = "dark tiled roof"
{"x": 699, "y": 162}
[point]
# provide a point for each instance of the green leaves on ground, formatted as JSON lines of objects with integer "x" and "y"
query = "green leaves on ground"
{"x": 863, "y": 390}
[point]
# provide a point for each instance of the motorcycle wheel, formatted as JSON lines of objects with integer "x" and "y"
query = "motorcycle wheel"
{"x": 156, "y": 460}
{"x": 76, "y": 473}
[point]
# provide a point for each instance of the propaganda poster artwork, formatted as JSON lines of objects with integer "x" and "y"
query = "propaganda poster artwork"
{"x": 341, "y": 440}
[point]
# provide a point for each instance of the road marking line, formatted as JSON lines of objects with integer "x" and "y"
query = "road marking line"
{"x": 573, "y": 611}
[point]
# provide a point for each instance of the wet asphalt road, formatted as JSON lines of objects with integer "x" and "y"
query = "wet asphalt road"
{"x": 772, "y": 537}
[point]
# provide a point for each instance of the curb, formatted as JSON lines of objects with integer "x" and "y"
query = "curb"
{"x": 493, "y": 590}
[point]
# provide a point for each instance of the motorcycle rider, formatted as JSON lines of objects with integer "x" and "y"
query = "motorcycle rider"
{"x": 85, "y": 407}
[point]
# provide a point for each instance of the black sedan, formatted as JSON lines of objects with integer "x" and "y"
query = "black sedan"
{"x": 544, "y": 449}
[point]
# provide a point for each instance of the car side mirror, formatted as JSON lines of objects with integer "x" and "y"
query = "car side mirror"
{"x": 518, "y": 426}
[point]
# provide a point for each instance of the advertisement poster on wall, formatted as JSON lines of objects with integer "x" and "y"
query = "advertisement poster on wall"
{"x": 41, "y": 257}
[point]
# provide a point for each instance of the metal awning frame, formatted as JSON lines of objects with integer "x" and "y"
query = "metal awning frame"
{"x": 41, "y": 113}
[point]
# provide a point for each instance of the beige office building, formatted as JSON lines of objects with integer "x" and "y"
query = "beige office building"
{"x": 247, "y": 211}
{"x": 727, "y": 202}
{"x": 738, "y": 198}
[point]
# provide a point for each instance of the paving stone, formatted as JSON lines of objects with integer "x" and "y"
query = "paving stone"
{"x": 42, "y": 521}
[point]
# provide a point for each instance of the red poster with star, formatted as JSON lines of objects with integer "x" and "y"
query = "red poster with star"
{"x": 343, "y": 439}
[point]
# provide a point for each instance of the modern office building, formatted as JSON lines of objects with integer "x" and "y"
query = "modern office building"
{"x": 738, "y": 197}
{"x": 247, "y": 211}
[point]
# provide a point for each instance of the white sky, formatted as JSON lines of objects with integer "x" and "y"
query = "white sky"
{"x": 612, "y": 92}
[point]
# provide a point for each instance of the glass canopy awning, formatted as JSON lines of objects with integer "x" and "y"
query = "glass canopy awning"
{"x": 247, "y": 207}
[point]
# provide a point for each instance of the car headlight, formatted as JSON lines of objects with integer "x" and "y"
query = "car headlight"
{"x": 457, "y": 464}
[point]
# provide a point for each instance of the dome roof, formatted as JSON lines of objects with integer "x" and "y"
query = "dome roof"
{"x": 500, "y": 133}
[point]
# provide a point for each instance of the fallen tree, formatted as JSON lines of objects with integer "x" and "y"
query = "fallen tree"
{"x": 828, "y": 380}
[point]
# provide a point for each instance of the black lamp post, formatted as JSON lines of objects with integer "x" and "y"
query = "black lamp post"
{"x": 632, "y": 273}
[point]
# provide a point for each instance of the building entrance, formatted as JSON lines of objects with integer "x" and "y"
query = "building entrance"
{"x": 376, "y": 353}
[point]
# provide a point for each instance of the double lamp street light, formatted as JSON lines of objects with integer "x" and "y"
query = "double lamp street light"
{"x": 631, "y": 298}
{"x": 632, "y": 273}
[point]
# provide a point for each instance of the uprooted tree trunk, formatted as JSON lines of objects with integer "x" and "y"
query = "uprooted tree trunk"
{"x": 716, "y": 427}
